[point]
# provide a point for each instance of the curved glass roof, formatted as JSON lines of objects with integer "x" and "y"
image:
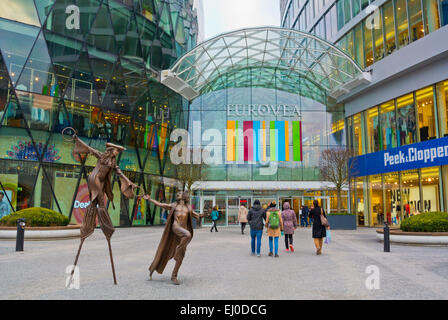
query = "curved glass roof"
{"x": 271, "y": 57}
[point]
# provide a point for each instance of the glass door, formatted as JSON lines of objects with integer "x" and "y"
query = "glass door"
{"x": 207, "y": 204}
{"x": 232, "y": 210}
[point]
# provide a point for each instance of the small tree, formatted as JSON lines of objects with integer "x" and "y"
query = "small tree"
{"x": 334, "y": 167}
{"x": 188, "y": 174}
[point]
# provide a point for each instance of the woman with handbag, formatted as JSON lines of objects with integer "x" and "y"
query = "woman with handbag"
{"x": 319, "y": 226}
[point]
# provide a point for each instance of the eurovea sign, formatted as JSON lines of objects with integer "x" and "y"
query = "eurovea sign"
{"x": 414, "y": 156}
{"x": 263, "y": 110}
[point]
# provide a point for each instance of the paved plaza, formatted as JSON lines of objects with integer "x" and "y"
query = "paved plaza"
{"x": 219, "y": 266}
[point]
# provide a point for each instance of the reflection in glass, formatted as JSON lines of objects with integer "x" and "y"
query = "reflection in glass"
{"x": 378, "y": 37}
{"x": 407, "y": 127}
{"x": 426, "y": 118}
{"x": 402, "y": 23}
{"x": 389, "y": 27}
{"x": 388, "y": 125}
{"x": 431, "y": 12}
{"x": 430, "y": 189}
{"x": 393, "y": 198}
{"x": 415, "y": 19}
{"x": 368, "y": 58}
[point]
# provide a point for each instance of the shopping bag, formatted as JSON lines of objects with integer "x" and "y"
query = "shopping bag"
{"x": 328, "y": 237}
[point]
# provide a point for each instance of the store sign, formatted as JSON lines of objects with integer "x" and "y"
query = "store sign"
{"x": 263, "y": 110}
{"x": 414, "y": 156}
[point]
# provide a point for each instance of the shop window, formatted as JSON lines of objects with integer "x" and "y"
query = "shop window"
{"x": 355, "y": 7}
{"x": 376, "y": 200}
{"x": 364, "y": 4}
{"x": 430, "y": 189}
{"x": 388, "y": 125}
{"x": 358, "y": 133}
{"x": 415, "y": 19}
{"x": 406, "y": 124}
{"x": 402, "y": 23}
{"x": 347, "y": 11}
{"x": 358, "y": 47}
{"x": 368, "y": 47}
{"x": 389, "y": 28}
{"x": 426, "y": 118}
{"x": 431, "y": 12}
{"x": 378, "y": 39}
{"x": 410, "y": 193}
{"x": 373, "y": 130}
{"x": 393, "y": 198}
{"x": 340, "y": 13}
{"x": 360, "y": 202}
{"x": 444, "y": 12}
{"x": 442, "y": 106}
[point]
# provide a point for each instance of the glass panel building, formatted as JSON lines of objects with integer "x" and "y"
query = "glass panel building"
{"x": 92, "y": 65}
{"x": 402, "y": 111}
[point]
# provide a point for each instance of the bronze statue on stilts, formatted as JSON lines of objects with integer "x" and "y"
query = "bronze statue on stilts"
{"x": 177, "y": 234}
{"x": 99, "y": 186}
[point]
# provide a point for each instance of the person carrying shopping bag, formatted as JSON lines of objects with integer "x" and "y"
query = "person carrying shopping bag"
{"x": 289, "y": 224}
{"x": 320, "y": 224}
{"x": 274, "y": 223}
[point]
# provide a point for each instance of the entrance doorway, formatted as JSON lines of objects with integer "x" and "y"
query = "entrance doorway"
{"x": 207, "y": 205}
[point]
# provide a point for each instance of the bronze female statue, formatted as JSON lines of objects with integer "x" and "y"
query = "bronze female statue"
{"x": 99, "y": 186}
{"x": 177, "y": 234}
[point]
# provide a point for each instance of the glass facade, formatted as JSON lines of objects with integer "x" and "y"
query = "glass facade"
{"x": 99, "y": 77}
{"x": 415, "y": 117}
{"x": 399, "y": 23}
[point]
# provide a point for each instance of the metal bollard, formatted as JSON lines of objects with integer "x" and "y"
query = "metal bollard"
{"x": 20, "y": 238}
{"x": 386, "y": 237}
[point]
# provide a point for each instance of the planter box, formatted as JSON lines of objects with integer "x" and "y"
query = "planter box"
{"x": 342, "y": 222}
{"x": 42, "y": 233}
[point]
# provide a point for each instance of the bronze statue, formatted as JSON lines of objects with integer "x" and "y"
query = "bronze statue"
{"x": 99, "y": 186}
{"x": 177, "y": 234}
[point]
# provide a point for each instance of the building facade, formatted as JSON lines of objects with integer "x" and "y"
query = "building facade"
{"x": 402, "y": 111}
{"x": 93, "y": 65}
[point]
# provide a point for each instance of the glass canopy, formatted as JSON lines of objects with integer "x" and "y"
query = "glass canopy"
{"x": 271, "y": 57}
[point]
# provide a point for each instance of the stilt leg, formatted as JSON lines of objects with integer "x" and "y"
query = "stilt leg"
{"x": 76, "y": 260}
{"x": 112, "y": 261}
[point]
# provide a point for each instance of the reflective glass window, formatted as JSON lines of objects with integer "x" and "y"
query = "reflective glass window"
{"x": 359, "y": 201}
{"x": 376, "y": 200}
{"x": 347, "y": 11}
{"x": 406, "y": 124}
{"x": 358, "y": 133}
{"x": 426, "y": 117}
{"x": 431, "y": 12}
{"x": 444, "y": 12}
{"x": 402, "y": 23}
{"x": 358, "y": 45}
{"x": 430, "y": 189}
{"x": 340, "y": 13}
{"x": 368, "y": 47}
{"x": 388, "y": 125}
{"x": 364, "y": 4}
{"x": 410, "y": 188}
{"x": 378, "y": 37}
{"x": 373, "y": 130}
{"x": 393, "y": 199}
{"x": 442, "y": 106}
{"x": 415, "y": 19}
{"x": 355, "y": 7}
{"x": 389, "y": 27}
{"x": 20, "y": 10}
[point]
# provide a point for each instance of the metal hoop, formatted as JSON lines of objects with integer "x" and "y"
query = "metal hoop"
{"x": 63, "y": 130}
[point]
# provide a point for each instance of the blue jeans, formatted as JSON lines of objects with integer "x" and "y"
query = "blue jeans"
{"x": 275, "y": 244}
{"x": 257, "y": 234}
{"x": 303, "y": 222}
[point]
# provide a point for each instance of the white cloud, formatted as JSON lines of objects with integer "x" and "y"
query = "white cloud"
{"x": 227, "y": 15}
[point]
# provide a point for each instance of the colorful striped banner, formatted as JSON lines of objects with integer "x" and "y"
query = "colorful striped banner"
{"x": 246, "y": 140}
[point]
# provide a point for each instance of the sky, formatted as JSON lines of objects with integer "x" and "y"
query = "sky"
{"x": 227, "y": 15}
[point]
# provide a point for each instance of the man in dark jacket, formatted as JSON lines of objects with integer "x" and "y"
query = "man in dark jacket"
{"x": 304, "y": 216}
{"x": 256, "y": 217}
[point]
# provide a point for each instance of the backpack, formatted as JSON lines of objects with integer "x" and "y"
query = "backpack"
{"x": 274, "y": 220}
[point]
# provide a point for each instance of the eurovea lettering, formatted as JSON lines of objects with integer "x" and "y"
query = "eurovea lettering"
{"x": 263, "y": 110}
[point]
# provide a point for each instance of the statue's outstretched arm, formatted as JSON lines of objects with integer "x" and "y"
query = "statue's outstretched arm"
{"x": 82, "y": 147}
{"x": 197, "y": 215}
{"x": 166, "y": 206}
{"x": 125, "y": 183}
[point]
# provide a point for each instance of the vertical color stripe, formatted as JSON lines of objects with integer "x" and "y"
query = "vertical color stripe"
{"x": 280, "y": 126}
{"x": 263, "y": 133}
{"x": 236, "y": 141}
{"x": 296, "y": 140}
{"x": 300, "y": 141}
{"x": 272, "y": 139}
{"x": 286, "y": 141}
{"x": 248, "y": 141}
{"x": 256, "y": 128}
{"x": 231, "y": 140}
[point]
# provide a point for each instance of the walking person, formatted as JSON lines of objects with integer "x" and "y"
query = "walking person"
{"x": 289, "y": 225}
{"x": 304, "y": 216}
{"x": 255, "y": 218}
{"x": 274, "y": 223}
{"x": 215, "y": 217}
{"x": 242, "y": 217}
{"x": 319, "y": 231}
